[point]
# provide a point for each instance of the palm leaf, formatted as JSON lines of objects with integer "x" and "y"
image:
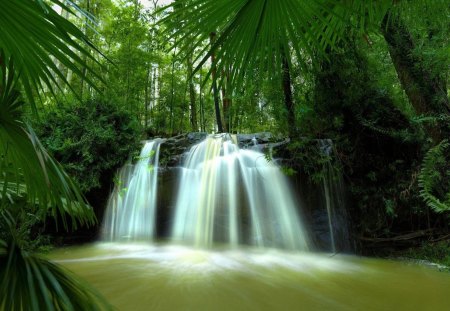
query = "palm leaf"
{"x": 258, "y": 34}
{"x": 25, "y": 166}
{"x": 29, "y": 282}
{"x": 33, "y": 34}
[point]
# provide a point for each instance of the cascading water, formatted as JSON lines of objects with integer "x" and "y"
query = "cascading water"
{"x": 130, "y": 214}
{"x": 234, "y": 196}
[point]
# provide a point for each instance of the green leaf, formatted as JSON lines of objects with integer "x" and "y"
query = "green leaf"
{"x": 33, "y": 35}
{"x": 258, "y": 34}
{"x": 29, "y": 280}
{"x": 433, "y": 166}
{"x": 25, "y": 166}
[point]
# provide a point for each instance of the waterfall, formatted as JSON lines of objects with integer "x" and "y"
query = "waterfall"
{"x": 226, "y": 195}
{"x": 233, "y": 196}
{"x": 130, "y": 214}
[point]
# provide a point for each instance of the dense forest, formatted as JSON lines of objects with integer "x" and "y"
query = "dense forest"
{"x": 84, "y": 82}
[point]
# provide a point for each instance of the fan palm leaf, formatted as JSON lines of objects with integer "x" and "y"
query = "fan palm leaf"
{"x": 34, "y": 35}
{"x": 25, "y": 165}
{"x": 30, "y": 282}
{"x": 258, "y": 34}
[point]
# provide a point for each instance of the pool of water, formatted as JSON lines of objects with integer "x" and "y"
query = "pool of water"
{"x": 160, "y": 277}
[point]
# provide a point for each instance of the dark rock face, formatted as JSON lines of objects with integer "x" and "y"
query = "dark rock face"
{"x": 174, "y": 149}
{"x": 249, "y": 140}
{"x": 318, "y": 218}
{"x": 168, "y": 183}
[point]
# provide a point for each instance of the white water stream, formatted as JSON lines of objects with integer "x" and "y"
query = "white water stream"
{"x": 226, "y": 195}
{"x": 130, "y": 215}
{"x": 233, "y": 196}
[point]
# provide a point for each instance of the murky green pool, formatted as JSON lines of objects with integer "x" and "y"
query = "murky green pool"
{"x": 143, "y": 277}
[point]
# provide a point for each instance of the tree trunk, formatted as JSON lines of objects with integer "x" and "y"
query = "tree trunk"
{"x": 227, "y": 101}
{"x": 172, "y": 95}
{"x": 184, "y": 108}
{"x": 193, "y": 106}
{"x": 202, "y": 105}
{"x": 287, "y": 91}
{"x": 236, "y": 118}
{"x": 154, "y": 90}
{"x": 426, "y": 92}
{"x": 147, "y": 95}
{"x": 214, "y": 87}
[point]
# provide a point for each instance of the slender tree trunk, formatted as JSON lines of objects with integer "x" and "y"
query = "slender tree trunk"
{"x": 155, "y": 90}
{"x": 237, "y": 114}
{"x": 184, "y": 108}
{"x": 172, "y": 95}
{"x": 426, "y": 92}
{"x": 193, "y": 106}
{"x": 214, "y": 87}
{"x": 223, "y": 89}
{"x": 227, "y": 101}
{"x": 162, "y": 126}
{"x": 147, "y": 95}
{"x": 288, "y": 97}
{"x": 127, "y": 93}
{"x": 202, "y": 105}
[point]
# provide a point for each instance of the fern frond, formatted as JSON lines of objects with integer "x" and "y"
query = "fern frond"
{"x": 433, "y": 179}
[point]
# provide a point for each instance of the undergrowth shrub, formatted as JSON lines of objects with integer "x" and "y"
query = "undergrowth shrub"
{"x": 91, "y": 140}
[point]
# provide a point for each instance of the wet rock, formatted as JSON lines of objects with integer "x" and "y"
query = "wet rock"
{"x": 174, "y": 149}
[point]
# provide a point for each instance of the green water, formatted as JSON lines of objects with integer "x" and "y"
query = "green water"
{"x": 142, "y": 277}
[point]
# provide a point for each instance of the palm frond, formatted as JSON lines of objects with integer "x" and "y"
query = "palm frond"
{"x": 33, "y": 35}
{"x": 29, "y": 282}
{"x": 258, "y": 34}
{"x": 25, "y": 166}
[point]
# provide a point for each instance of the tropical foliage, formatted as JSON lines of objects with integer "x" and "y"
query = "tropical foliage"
{"x": 91, "y": 138}
{"x": 333, "y": 43}
{"x": 370, "y": 75}
{"x": 344, "y": 82}
{"x": 31, "y": 48}
{"x": 29, "y": 176}
{"x": 30, "y": 282}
